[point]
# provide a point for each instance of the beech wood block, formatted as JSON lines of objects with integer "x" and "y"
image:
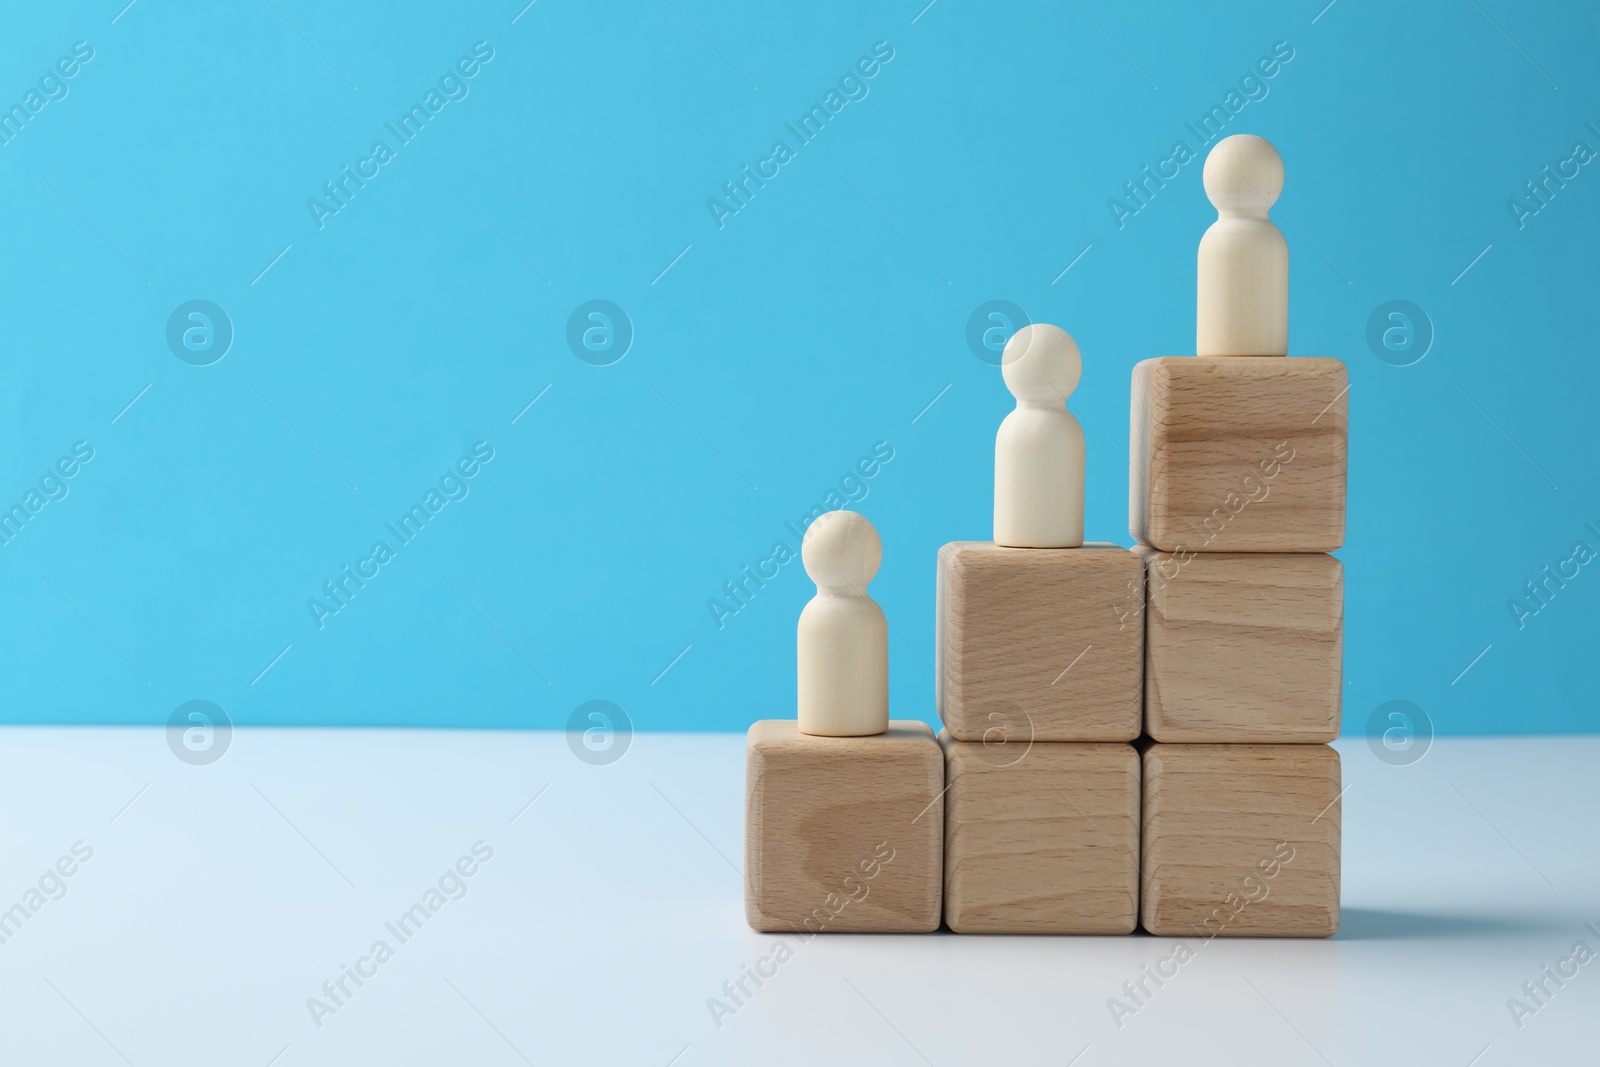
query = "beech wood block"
{"x": 1243, "y": 646}
{"x": 1241, "y": 841}
{"x": 1239, "y": 454}
{"x": 1042, "y": 840}
{"x": 843, "y": 834}
{"x": 1039, "y": 644}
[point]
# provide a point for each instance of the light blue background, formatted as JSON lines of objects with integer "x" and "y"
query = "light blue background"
{"x": 823, "y": 318}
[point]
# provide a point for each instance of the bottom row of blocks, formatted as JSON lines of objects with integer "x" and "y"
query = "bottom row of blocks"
{"x": 895, "y": 832}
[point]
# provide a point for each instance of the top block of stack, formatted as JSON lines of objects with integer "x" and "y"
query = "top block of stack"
{"x": 1236, "y": 451}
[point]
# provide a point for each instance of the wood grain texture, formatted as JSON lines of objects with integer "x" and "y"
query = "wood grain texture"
{"x": 1039, "y": 644}
{"x": 843, "y": 834}
{"x": 1243, "y": 647}
{"x": 1239, "y": 454}
{"x": 1241, "y": 840}
{"x": 1044, "y": 841}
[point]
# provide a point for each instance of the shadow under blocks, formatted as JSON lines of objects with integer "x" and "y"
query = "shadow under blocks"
{"x": 1133, "y": 737}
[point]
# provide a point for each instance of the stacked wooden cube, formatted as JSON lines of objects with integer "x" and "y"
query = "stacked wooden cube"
{"x": 1039, "y": 684}
{"x": 843, "y": 834}
{"x": 1131, "y": 737}
{"x": 1237, "y": 495}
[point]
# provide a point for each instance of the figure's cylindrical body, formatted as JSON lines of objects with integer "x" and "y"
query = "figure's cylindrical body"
{"x": 1038, "y": 479}
{"x": 1242, "y": 306}
{"x": 843, "y": 645}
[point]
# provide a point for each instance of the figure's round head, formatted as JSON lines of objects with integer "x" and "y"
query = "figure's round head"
{"x": 1041, "y": 363}
{"x": 841, "y": 549}
{"x": 1243, "y": 174}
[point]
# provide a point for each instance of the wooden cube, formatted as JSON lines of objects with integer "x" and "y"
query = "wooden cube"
{"x": 1043, "y": 840}
{"x": 843, "y": 833}
{"x": 1241, "y": 841}
{"x": 1041, "y": 644}
{"x": 1239, "y": 454}
{"x": 1243, "y": 646}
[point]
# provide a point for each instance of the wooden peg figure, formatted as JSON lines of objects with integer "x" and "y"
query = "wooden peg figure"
{"x": 1038, "y": 453}
{"x": 843, "y": 639}
{"x": 1243, "y": 299}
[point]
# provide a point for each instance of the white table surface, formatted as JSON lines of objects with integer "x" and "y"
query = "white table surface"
{"x": 219, "y": 899}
